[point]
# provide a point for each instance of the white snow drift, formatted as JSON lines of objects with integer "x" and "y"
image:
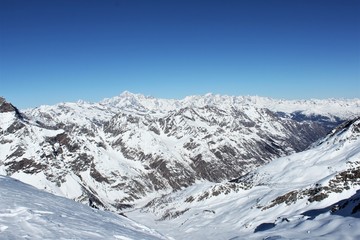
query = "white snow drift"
{"x": 28, "y": 213}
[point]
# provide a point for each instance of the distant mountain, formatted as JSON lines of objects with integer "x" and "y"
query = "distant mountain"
{"x": 314, "y": 194}
{"x": 28, "y": 213}
{"x": 128, "y": 149}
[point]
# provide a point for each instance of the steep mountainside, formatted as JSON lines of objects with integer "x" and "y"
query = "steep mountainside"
{"x": 130, "y": 148}
{"x": 28, "y": 213}
{"x": 309, "y": 195}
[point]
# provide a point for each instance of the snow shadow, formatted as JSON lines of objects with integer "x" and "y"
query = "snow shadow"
{"x": 264, "y": 227}
{"x": 349, "y": 207}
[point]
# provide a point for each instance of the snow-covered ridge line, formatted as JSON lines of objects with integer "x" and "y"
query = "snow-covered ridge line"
{"x": 344, "y": 108}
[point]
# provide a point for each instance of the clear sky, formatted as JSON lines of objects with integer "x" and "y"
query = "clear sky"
{"x": 64, "y": 50}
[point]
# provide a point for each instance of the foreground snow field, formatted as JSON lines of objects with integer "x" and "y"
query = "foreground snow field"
{"x": 28, "y": 213}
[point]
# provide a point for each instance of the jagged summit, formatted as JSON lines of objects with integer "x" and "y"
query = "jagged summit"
{"x": 11, "y": 119}
{"x": 7, "y": 107}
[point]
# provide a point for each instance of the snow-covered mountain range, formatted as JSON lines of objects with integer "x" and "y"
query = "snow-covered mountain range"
{"x": 166, "y": 161}
{"x": 130, "y": 148}
{"x": 314, "y": 194}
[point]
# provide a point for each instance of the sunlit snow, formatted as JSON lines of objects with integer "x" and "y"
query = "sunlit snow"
{"x": 28, "y": 213}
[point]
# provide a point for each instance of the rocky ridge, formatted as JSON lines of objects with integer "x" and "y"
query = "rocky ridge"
{"x": 119, "y": 151}
{"x": 305, "y": 195}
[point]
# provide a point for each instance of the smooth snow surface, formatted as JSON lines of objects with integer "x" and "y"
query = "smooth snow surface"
{"x": 28, "y": 213}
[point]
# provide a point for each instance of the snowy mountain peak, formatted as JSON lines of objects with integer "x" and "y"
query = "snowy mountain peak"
{"x": 11, "y": 119}
{"x": 127, "y": 94}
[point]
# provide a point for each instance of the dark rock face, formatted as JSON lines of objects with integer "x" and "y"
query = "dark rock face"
{"x": 345, "y": 207}
{"x": 5, "y": 106}
{"x": 8, "y": 107}
{"x": 14, "y": 127}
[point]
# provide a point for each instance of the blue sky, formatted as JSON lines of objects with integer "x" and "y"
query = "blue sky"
{"x": 65, "y": 50}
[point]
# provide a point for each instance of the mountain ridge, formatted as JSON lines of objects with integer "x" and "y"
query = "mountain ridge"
{"x": 311, "y": 194}
{"x": 123, "y": 150}
{"x": 286, "y": 105}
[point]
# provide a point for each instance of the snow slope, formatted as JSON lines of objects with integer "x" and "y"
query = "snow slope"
{"x": 314, "y": 194}
{"x": 28, "y": 213}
